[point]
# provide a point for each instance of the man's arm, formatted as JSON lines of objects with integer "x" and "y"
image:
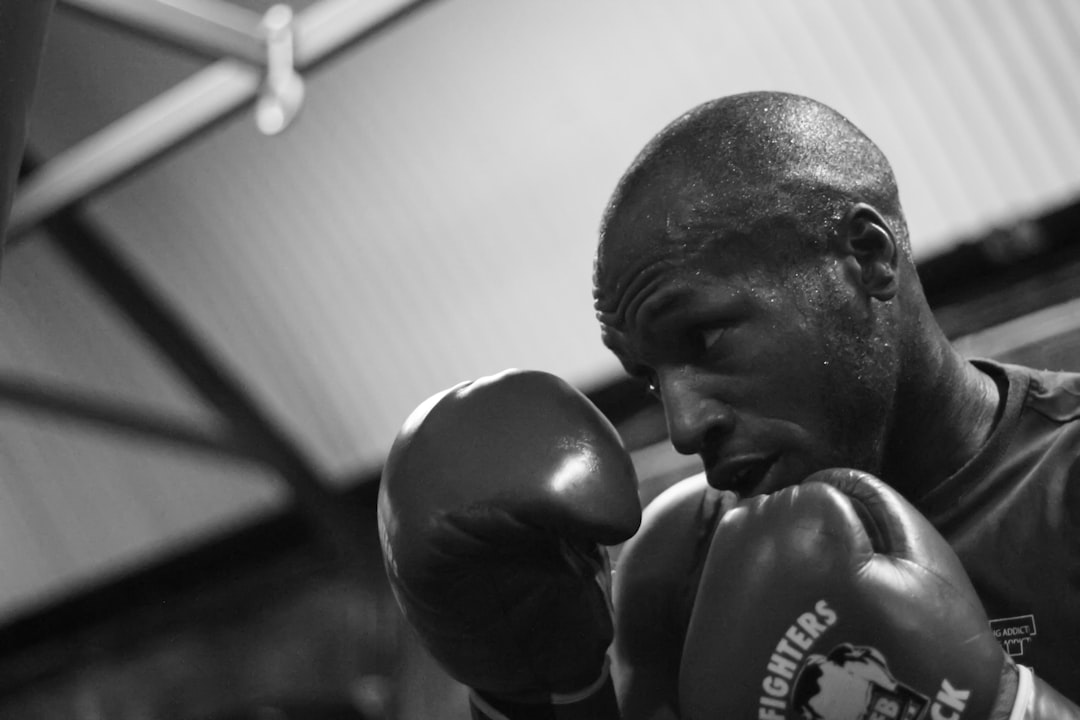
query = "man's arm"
{"x": 655, "y": 582}
{"x": 496, "y": 499}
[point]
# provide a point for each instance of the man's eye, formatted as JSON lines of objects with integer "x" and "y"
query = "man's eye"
{"x": 709, "y": 337}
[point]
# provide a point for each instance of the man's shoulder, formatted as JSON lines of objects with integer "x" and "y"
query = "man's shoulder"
{"x": 657, "y": 574}
{"x": 682, "y": 497}
{"x": 1053, "y": 394}
{"x": 684, "y": 513}
{"x": 676, "y": 528}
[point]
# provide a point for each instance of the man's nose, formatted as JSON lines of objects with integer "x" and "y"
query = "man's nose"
{"x": 692, "y": 413}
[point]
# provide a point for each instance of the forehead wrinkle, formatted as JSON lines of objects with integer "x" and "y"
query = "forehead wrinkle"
{"x": 615, "y": 278}
{"x": 613, "y": 310}
{"x": 647, "y": 309}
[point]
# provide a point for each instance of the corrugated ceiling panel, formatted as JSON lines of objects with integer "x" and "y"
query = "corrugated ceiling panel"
{"x": 80, "y": 506}
{"x": 80, "y": 501}
{"x": 432, "y": 214}
{"x": 57, "y": 331}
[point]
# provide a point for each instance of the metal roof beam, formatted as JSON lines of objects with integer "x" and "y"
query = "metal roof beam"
{"x": 70, "y": 405}
{"x": 180, "y": 113}
{"x": 210, "y": 377}
{"x": 212, "y": 28}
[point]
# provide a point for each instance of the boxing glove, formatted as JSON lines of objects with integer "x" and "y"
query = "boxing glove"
{"x": 496, "y": 498}
{"x": 836, "y": 599}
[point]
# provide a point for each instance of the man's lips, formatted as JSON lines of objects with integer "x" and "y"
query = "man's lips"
{"x": 743, "y": 474}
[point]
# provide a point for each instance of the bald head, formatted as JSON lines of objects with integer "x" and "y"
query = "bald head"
{"x": 754, "y": 271}
{"x": 740, "y": 164}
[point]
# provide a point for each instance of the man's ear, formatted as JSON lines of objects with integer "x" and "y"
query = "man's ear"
{"x": 866, "y": 239}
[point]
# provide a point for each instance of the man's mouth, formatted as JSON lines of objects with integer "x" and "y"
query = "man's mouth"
{"x": 744, "y": 475}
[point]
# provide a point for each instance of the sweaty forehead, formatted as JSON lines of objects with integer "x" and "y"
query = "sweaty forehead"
{"x": 698, "y": 227}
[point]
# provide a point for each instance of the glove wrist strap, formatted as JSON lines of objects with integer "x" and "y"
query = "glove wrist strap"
{"x": 1025, "y": 692}
{"x": 595, "y": 702}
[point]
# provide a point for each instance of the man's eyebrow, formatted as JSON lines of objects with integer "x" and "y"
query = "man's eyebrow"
{"x": 653, "y": 316}
{"x": 661, "y": 304}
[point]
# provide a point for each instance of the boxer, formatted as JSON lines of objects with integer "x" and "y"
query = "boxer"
{"x": 754, "y": 269}
{"x": 832, "y": 599}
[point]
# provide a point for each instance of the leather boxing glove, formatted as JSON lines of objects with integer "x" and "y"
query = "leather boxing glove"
{"x": 495, "y": 500}
{"x": 836, "y": 599}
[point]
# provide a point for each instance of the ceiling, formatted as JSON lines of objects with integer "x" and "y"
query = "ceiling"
{"x": 430, "y": 217}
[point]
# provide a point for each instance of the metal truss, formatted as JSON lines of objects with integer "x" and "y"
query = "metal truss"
{"x": 260, "y": 60}
{"x": 253, "y": 66}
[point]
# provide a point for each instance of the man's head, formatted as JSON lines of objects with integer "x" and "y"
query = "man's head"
{"x": 752, "y": 265}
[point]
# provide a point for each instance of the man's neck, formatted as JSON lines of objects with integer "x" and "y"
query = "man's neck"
{"x": 944, "y": 417}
